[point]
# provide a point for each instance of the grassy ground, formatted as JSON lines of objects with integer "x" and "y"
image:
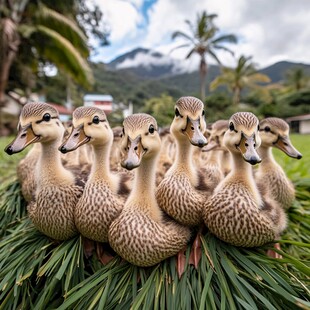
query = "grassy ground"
{"x": 37, "y": 273}
{"x": 294, "y": 168}
{"x": 9, "y": 163}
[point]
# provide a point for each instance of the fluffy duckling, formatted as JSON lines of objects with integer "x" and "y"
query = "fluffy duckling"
{"x": 141, "y": 234}
{"x": 270, "y": 176}
{"x": 213, "y": 164}
{"x": 181, "y": 193}
{"x": 100, "y": 203}
{"x": 26, "y": 172}
{"x": 236, "y": 212}
{"x": 165, "y": 161}
{"x": 57, "y": 192}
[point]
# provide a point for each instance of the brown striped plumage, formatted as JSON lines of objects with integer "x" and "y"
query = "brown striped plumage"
{"x": 182, "y": 192}
{"x": 56, "y": 193}
{"x": 140, "y": 234}
{"x": 270, "y": 175}
{"x": 37, "y": 109}
{"x": 100, "y": 203}
{"x": 236, "y": 212}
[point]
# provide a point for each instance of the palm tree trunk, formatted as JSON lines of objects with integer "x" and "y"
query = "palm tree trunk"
{"x": 9, "y": 45}
{"x": 236, "y": 97}
{"x": 203, "y": 73}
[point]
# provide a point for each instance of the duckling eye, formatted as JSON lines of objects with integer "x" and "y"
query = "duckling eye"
{"x": 151, "y": 129}
{"x": 46, "y": 117}
{"x": 177, "y": 113}
{"x": 122, "y": 133}
{"x": 203, "y": 113}
{"x": 96, "y": 119}
{"x": 231, "y": 127}
{"x": 267, "y": 129}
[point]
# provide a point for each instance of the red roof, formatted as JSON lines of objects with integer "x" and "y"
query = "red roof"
{"x": 61, "y": 109}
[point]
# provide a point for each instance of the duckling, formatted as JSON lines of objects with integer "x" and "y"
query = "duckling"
{"x": 270, "y": 176}
{"x": 213, "y": 163}
{"x": 57, "y": 192}
{"x": 100, "y": 203}
{"x": 181, "y": 193}
{"x": 165, "y": 161}
{"x": 141, "y": 234}
{"x": 25, "y": 172}
{"x": 236, "y": 212}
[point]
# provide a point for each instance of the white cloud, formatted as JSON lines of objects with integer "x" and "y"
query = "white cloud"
{"x": 147, "y": 60}
{"x": 123, "y": 18}
{"x": 268, "y": 30}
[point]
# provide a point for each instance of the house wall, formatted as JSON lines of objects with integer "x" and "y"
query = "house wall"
{"x": 304, "y": 126}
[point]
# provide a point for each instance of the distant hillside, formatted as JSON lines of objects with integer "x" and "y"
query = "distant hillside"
{"x": 141, "y": 74}
{"x": 277, "y": 71}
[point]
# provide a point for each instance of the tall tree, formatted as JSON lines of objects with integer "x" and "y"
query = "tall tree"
{"x": 239, "y": 77}
{"x": 40, "y": 33}
{"x": 204, "y": 40}
{"x": 297, "y": 79}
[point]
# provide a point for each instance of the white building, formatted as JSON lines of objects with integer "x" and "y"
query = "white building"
{"x": 104, "y": 102}
{"x": 300, "y": 123}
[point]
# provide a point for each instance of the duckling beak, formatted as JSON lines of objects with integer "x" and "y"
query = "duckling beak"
{"x": 25, "y": 136}
{"x": 285, "y": 145}
{"x": 134, "y": 154}
{"x": 247, "y": 147}
{"x": 193, "y": 132}
{"x": 76, "y": 139}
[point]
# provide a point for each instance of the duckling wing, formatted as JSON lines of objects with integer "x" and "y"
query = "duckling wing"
{"x": 177, "y": 197}
{"x": 96, "y": 210}
{"x": 142, "y": 241}
{"x": 53, "y": 212}
{"x": 232, "y": 215}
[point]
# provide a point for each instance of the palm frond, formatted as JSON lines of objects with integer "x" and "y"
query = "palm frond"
{"x": 227, "y": 38}
{"x": 38, "y": 273}
{"x": 64, "y": 26}
{"x": 12, "y": 206}
{"x": 63, "y": 54}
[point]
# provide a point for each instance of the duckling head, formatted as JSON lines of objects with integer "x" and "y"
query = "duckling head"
{"x": 275, "y": 132}
{"x": 216, "y": 135}
{"x": 189, "y": 122}
{"x": 243, "y": 137}
{"x": 38, "y": 122}
{"x": 89, "y": 125}
{"x": 140, "y": 140}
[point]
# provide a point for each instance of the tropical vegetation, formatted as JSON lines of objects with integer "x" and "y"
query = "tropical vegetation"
{"x": 239, "y": 77}
{"x": 37, "y": 33}
{"x": 204, "y": 40}
{"x": 39, "y": 273}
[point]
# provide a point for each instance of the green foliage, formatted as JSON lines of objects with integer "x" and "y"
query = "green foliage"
{"x": 38, "y": 273}
{"x": 8, "y": 163}
{"x": 162, "y": 108}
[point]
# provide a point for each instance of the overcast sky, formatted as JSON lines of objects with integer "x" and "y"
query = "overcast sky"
{"x": 269, "y": 30}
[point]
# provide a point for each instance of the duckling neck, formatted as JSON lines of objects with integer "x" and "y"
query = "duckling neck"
{"x": 50, "y": 169}
{"x": 184, "y": 157}
{"x": 242, "y": 171}
{"x": 266, "y": 155}
{"x": 214, "y": 157}
{"x": 143, "y": 193}
{"x": 101, "y": 166}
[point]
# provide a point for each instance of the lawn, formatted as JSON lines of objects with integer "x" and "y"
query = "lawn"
{"x": 9, "y": 163}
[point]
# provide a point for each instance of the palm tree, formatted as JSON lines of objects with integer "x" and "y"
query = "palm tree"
{"x": 50, "y": 35}
{"x": 297, "y": 78}
{"x": 236, "y": 79}
{"x": 204, "y": 40}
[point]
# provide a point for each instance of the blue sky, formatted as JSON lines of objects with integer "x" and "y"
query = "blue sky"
{"x": 270, "y": 31}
